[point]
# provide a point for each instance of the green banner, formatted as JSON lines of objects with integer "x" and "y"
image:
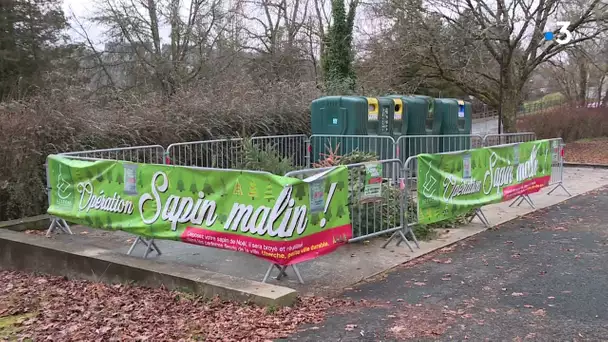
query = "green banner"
{"x": 282, "y": 219}
{"x": 453, "y": 184}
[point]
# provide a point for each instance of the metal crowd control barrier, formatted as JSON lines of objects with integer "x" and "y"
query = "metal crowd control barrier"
{"x": 508, "y": 138}
{"x": 230, "y": 153}
{"x": 557, "y": 172}
{"x": 151, "y": 154}
{"x": 557, "y": 165}
{"x": 374, "y": 216}
{"x": 411, "y": 191}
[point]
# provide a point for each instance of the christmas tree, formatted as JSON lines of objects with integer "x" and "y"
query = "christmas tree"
{"x": 89, "y": 174}
{"x": 253, "y": 192}
{"x": 315, "y": 219}
{"x": 207, "y": 189}
{"x": 340, "y": 211}
{"x": 223, "y": 187}
{"x": 268, "y": 194}
{"x": 237, "y": 189}
{"x": 339, "y": 186}
{"x": 99, "y": 177}
{"x": 120, "y": 178}
{"x": 193, "y": 188}
{"x": 140, "y": 179}
{"x": 328, "y": 214}
{"x": 180, "y": 185}
{"x": 300, "y": 192}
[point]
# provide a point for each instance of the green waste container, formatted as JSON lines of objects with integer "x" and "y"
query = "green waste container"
{"x": 456, "y": 121}
{"x": 400, "y": 118}
{"x": 380, "y": 125}
{"x": 366, "y": 121}
{"x": 420, "y": 120}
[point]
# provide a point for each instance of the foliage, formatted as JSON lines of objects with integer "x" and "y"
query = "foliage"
{"x": 339, "y": 73}
{"x": 53, "y": 122}
{"x": 29, "y": 35}
{"x": 263, "y": 158}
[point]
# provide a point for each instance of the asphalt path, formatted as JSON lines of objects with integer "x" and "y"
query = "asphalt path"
{"x": 542, "y": 277}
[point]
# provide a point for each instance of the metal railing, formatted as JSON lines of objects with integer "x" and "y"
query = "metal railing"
{"x": 382, "y": 214}
{"x": 507, "y": 138}
{"x": 232, "y": 153}
{"x": 151, "y": 154}
{"x": 557, "y": 165}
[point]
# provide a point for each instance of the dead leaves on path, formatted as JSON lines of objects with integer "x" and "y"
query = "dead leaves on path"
{"x": 84, "y": 311}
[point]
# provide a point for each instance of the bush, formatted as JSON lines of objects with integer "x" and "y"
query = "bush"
{"x": 60, "y": 120}
{"x": 569, "y": 123}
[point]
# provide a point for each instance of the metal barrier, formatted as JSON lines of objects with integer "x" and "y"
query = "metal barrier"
{"x": 374, "y": 216}
{"x": 508, "y": 138}
{"x": 411, "y": 145}
{"x": 231, "y": 153}
{"x": 151, "y": 154}
{"x": 411, "y": 191}
{"x": 557, "y": 165}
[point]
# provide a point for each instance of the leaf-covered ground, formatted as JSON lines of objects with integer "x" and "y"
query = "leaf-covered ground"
{"x": 53, "y": 308}
{"x": 591, "y": 151}
{"x": 541, "y": 277}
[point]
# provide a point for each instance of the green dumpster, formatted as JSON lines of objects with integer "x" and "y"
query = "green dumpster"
{"x": 337, "y": 116}
{"x": 420, "y": 121}
{"x": 380, "y": 125}
{"x": 400, "y": 118}
{"x": 456, "y": 121}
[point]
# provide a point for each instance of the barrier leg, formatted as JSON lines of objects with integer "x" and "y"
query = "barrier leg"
{"x": 282, "y": 272}
{"x": 520, "y": 199}
{"x": 60, "y": 225}
{"x": 399, "y": 233}
{"x": 481, "y": 216}
{"x": 149, "y": 243}
{"x": 560, "y": 185}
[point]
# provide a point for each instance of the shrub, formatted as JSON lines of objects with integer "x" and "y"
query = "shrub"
{"x": 60, "y": 120}
{"x": 569, "y": 123}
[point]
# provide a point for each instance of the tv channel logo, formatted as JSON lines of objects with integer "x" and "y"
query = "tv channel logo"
{"x": 563, "y": 36}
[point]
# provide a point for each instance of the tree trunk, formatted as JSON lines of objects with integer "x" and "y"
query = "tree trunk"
{"x": 510, "y": 104}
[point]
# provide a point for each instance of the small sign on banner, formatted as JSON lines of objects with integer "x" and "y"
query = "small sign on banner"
{"x": 466, "y": 166}
{"x": 130, "y": 179}
{"x": 317, "y": 199}
{"x": 373, "y": 183}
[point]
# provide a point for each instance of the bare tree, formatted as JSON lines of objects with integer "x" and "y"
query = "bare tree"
{"x": 193, "y": 31}
{"x": 490, "y": 48}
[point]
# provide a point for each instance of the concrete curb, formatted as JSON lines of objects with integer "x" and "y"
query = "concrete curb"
{"x": 33, "y": 253}
{"x": 40, "y": 222}
{"x": 592, "y": 166}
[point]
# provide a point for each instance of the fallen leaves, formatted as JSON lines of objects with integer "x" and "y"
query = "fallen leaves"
{"x": 539, "y": 312}
{"x": 86, "y": 311}
{"x": 593, "y": 151}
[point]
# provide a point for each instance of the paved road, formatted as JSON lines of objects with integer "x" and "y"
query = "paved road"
{"x": 485, "y": 127}
{"x": 543, "y": 277}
